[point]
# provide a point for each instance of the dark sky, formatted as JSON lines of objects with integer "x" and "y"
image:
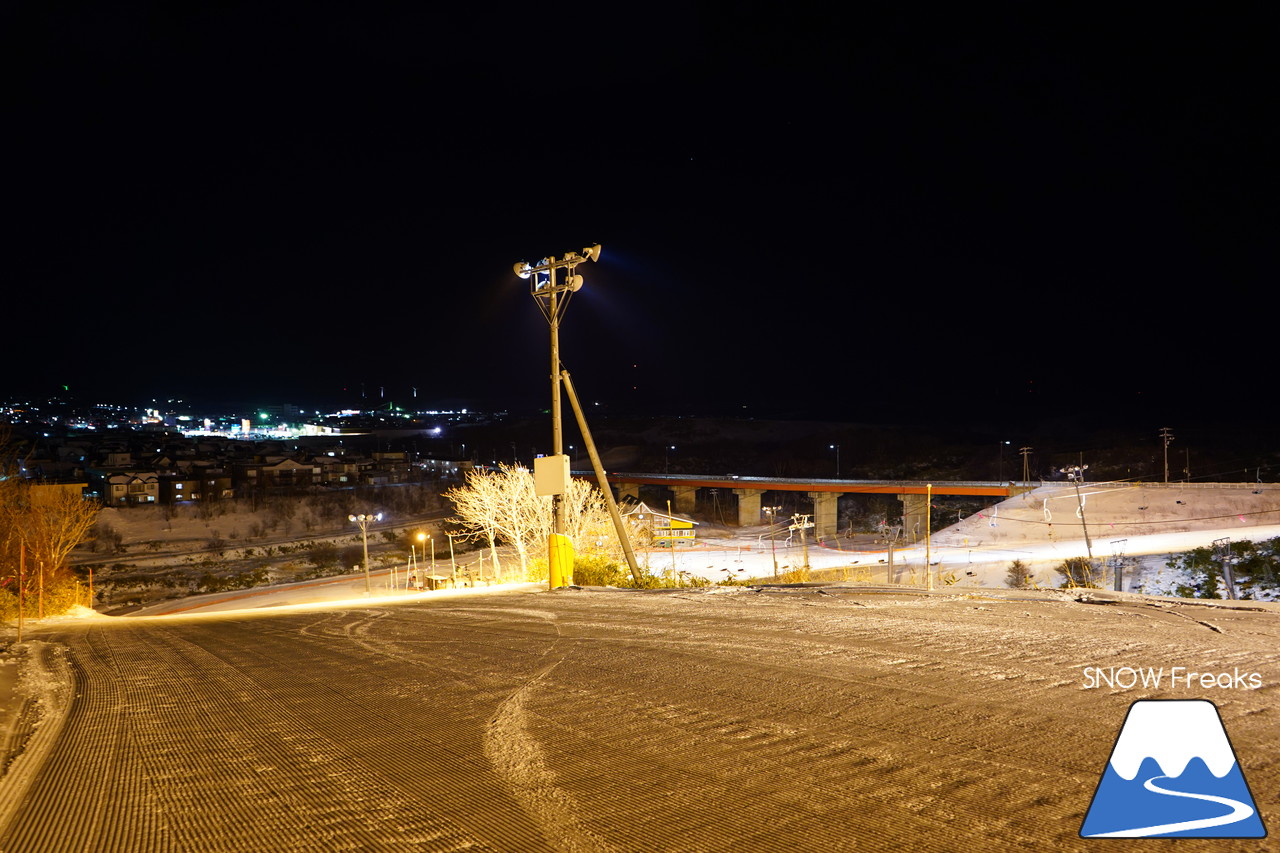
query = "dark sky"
{"x": 979, "y": 214}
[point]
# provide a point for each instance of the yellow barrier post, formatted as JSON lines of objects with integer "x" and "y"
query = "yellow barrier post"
{"x": 559, "y": 561}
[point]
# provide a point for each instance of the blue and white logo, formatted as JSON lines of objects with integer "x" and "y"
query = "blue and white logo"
{"x": 1172, "y": 774}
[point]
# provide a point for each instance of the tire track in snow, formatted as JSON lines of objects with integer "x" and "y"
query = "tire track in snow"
{"x": 517, "y": 757}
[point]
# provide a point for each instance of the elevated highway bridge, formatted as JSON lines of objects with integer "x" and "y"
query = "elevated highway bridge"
{"x": 914, "y": 494}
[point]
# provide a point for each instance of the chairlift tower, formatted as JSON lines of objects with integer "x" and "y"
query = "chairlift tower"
{"x": 1117, "y": 562}
{"x": 802, "y": 523}
{"x": 1223, "y": 546}
{"x": 1166, "y": 436}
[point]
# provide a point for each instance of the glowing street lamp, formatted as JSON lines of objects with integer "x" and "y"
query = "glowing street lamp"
{"x": 552, "y": 297}
{"x": 423, "y": 539}
{"x": 364, "y": 521}
{"x": 836, "y": 448}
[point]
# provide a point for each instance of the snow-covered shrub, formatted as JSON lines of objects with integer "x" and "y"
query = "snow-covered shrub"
{"x": 1199, "y": 573}
{"x": 1018, "y": 576}
{"x": 1079, "y": 572}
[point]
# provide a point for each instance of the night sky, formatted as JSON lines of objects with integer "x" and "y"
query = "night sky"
{"x": 997, "y": 214}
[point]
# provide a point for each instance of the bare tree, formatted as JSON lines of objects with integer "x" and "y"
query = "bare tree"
{"x": 52, "y": 520}
{"x": 47, "y": 520}
{"x": 481, "y": 506}
{"x": 502, "y": 505}
{"x": 56, "y": 519}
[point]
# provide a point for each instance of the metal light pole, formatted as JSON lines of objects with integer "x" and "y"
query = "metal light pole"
{"x": 836, "y": 448}
{"x": 364, "y": 521}
{"x": 552, "y": 297}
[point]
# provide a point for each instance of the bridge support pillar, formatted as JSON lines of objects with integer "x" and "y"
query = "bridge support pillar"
{"x": 748, "y": 506}
{"x": 825, "y": 516}
{"x": 628, "y": 490}
{"x": 686, "y": 498}
{"x": 915, "y": 509}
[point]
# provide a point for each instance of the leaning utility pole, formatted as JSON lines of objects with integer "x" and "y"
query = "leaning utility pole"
{"x": 603, "y": 480}
{"x": 1075, "y": 474}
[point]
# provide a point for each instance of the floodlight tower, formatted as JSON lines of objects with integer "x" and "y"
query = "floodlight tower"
{"x": 363, "y": 521}
{"x": 552, "y": 296}
{"x": 1075, "y": 473}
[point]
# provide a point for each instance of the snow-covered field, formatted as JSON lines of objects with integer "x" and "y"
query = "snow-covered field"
{"x": 1142, "y": 522}
{"x": 851, "y": 716}
{"x": 1042, "y": 528}
{"x": 717, "y": 719}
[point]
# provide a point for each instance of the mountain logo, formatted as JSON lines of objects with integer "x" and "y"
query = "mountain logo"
{"x": 1172, "y": 774}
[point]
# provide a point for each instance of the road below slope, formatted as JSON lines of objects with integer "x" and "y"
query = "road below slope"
{"x": 600, "y": 720}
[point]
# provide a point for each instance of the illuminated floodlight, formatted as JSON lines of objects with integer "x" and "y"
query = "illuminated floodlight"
{"x": 364, "y": 521}
{"x": 552, "y": 293}
{"x": 546, "y": 286}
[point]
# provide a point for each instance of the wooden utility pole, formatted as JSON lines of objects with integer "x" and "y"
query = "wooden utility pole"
{"x": 928, "y": 527}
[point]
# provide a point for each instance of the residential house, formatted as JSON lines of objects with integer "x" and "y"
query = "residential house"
{"x": 125, "y": 487}
{"x": 664, "y": 530}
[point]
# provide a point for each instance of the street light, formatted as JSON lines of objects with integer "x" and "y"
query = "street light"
{"x": 364, "y": 521}
{"x": 666, "y": 458}
{"x": 423, "y": 539}
{"x": 836, "y": 448}
{"x": 552, "y": 297}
